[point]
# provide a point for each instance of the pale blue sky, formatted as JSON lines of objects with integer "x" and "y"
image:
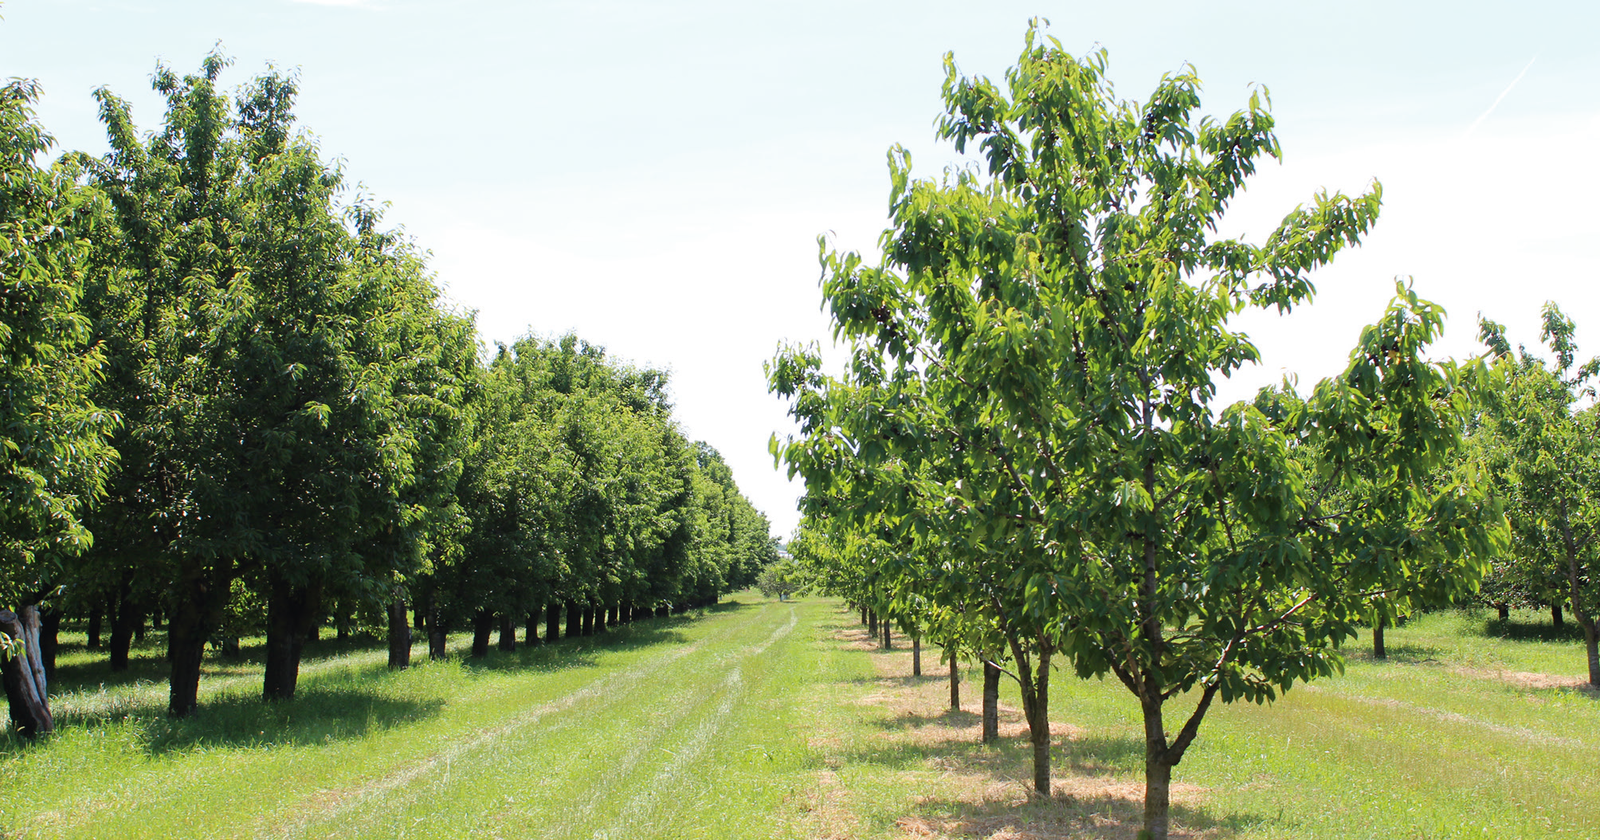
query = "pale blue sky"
{"x": 653, "y": 175}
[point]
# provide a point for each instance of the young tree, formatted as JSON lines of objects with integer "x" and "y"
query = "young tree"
{"x": 1543, "y": 449}
{"x": 1038, "y": 354}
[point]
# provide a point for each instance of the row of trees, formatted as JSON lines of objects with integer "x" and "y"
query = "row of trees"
{"x": 236, "y": 402}
{"x": 1025, "y": 457}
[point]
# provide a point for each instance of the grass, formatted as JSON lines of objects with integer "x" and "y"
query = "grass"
{"x": 767, "y": 719}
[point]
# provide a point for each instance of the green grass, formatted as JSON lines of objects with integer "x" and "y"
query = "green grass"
{"x": 765, "y": 719}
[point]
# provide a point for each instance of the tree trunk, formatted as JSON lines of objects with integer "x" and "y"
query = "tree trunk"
{"x": 552, "y": 622}
{"x": 49, "y": 641}
{"x": 508, "y": 633}
{"x": 884, "y": 623}
{"x": 588, "y": 620}
{"x": 1378, "y": 651}
{"x": 121, "y": 631}
{"x": 574, "y": 620}
{"x": 1504, "y": 610}
{"x": 291, "y": 616}
{"x": 1555, "y": 616}
{"x": 399, "y": 636}
{"x": 531, "y": 636}
{"x": 1039, "y": 727}
{"x": 1157, "y": 780}
{"x": 664, "y": 611}
{"x": 955, "y": 682}
{"x": 1591, "y": 640}
{"x": 482, "y": 629}
{"x": 991, "y": 702}
{"x": 96, "y": 622}
{"x": 197, "y": 609}
{"x": 916, "y": 656}
{"x": 438, "y": 638}
{"x": 863, "y": 615}
{"x": 872, "y": 624}
{"x": 27, "y": 688}
{"x": 186, "y": 646}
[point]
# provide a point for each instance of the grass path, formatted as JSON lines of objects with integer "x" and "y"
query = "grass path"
{"x": 762, "y": 719}
{"x": 670, "y": 727}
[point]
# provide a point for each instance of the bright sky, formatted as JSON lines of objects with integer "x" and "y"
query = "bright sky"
{"x": 653, "y": 175}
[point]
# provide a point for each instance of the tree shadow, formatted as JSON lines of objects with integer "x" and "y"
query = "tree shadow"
{"x": 1403, "y": 653}
{"x": 1531, "y": 631}
{"x": 579, "y": 651}
{"x": 986, "y": 790}
{"x": 317, "y": 715}
{"x": 1091, "y": 796}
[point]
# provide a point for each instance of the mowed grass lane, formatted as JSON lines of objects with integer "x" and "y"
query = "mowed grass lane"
{"x": 666, "y": 728}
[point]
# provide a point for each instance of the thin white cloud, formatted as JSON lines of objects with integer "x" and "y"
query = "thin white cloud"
{"x": 1498, "y": 99}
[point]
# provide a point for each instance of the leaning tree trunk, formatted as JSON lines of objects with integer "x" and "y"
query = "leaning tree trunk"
{"x": 27, "y": 688}
{"x": 399, "y": 636}
{"x": 1378, "y": 650}
{"x": 1035, "y": 688}
{"x": 991, "y": 702}
{"x": 291, "y": 618}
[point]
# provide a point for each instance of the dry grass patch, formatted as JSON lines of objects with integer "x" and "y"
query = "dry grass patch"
{"x": 1528, "y": 679}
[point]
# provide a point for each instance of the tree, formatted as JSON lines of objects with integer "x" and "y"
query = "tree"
{"x": 1033, "y": 376}
{"x": 272, "y": 355}
{"x": 54, "y": 455}
{"x": 1543, "y": 449}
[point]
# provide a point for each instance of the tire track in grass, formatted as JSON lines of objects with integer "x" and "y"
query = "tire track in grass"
{"x": 324, "y": 806}
{"x": 689, "y": 750}
{"x": 387, "y": 796}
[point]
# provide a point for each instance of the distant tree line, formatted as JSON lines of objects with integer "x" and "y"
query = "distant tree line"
{"x": 232, "y": 402}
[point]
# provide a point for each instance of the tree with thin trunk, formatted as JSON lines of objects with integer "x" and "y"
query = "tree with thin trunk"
{"x": 1033, "y": 378}
{"x": 1541, "y": 444}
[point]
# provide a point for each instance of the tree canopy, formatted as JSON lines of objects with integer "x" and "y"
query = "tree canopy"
{"x": 1032, "y": 382}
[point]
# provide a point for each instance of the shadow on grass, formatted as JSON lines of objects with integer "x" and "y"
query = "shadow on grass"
{"x": 1097, "y": 789}
{"x": 1092, "y": 796}
{"x": 579, "y": 651}
{"x": 1403, "y": 653}
{"x": 316, "y": 715}
{"x": 1531, "y": 631}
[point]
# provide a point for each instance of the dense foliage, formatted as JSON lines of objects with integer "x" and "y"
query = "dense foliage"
{"x": 255, "y": 398}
